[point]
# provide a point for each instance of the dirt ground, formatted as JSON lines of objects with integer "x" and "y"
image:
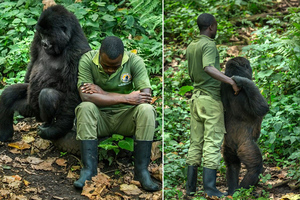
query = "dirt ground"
{"x": 34, "y": 169}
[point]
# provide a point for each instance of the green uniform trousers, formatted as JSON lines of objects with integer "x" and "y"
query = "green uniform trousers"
{"x": 207, "y": 131}
{"x": 93, "y": 123}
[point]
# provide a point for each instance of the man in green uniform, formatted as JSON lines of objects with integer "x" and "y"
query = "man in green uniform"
{"x": 115, "y": 90}
{"x": 207, "y": 116}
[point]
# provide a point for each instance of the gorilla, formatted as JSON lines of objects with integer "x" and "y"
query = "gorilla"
{"x": 50, "y": 89}
{"x": 243, "y": 117}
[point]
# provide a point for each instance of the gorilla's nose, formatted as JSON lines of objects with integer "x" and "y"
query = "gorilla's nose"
{"x": 46, "y": 44}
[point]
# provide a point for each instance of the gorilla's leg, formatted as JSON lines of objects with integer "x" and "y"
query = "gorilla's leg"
{"x": 250, "y": 155}
{"x": 49, "y": 100}
{"x": 233, "y": 164}
{"x": 13, "y": 98}
{"x": 58, "y": 113}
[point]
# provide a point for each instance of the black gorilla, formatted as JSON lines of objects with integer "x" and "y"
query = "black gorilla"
{"x": 50, "y": 89}
{"x": 243, "y": 116}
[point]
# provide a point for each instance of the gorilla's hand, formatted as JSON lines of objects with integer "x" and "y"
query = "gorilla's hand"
{"x": 240, "y": 81}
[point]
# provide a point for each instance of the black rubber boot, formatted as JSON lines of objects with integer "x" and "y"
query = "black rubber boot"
{"x": 191, "y": 180}
{"x": 209, "y": 183}
{"x": 89, "y": 159}
{"x": 142, "y": 152}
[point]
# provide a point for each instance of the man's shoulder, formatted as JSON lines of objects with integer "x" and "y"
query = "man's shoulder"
{"x": 134, "y": 59}
{"x": 89, "y": 55}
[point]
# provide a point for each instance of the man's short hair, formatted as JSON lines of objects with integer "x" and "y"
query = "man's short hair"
{"x": 112, "y": 46}
{"x": 204, "y": 21}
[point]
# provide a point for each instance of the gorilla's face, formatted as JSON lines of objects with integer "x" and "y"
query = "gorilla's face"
{"x": 54, "y": 31}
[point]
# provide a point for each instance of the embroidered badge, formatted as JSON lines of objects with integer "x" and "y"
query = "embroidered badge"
{"x": 126, "y": 78}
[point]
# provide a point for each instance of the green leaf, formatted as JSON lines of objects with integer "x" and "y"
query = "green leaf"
{"x": 117, "y": 137}
{"x": 130, "y": 20}
{"x": 108, "y": 18}
{"x": 16, "y": 21}
{"x": 127, "y": 144}
{"x": 265, "y": 73}
{"x": 31, "y": 22}
{"x": 277, "y": 126}
{"x": 185, "y": 89}
{"x": 111, "y": 7}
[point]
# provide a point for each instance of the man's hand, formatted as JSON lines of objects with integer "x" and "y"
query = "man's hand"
{"x": 235, "y": 87}
{"x": 137, "y": 97}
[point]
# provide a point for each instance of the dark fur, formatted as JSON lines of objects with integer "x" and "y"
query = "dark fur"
{"x": 50, "y": 89}
{"x": 243, "y": 116}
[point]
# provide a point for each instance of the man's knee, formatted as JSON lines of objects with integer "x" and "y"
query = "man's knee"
{"x": 85, "y": 107}
{"x": 146, "y": 109}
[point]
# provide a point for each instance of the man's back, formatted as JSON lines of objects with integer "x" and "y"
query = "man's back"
{"x": 201, "y": 53}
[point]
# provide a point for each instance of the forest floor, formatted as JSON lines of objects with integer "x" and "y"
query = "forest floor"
{"x": 33, "y": 169}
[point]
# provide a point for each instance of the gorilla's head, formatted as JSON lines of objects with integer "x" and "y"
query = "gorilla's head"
{"x": 54, "y": 29}
{"x": 238, "y": 66}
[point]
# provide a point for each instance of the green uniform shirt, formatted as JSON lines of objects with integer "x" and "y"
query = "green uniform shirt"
{"x": 132, "y": 75}
{"x": 201, "y": 53}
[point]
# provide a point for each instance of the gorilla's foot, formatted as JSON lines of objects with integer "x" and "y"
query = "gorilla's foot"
{"x": 49, "y": 132}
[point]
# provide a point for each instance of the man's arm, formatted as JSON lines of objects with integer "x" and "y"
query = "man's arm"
{"x": 216, "y": 74}
{"x": 93, "y": 93}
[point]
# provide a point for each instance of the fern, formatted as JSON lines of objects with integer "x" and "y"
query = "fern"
{"x": 150, "y": 12}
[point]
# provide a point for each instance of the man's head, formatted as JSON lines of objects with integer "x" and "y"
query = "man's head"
{"x": 207, "y": 25}
{"x": 111, "y": 54}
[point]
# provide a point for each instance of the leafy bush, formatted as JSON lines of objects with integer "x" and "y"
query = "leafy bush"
{"x": 140, "y": 31}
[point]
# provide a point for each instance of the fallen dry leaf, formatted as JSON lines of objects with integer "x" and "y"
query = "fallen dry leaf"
{"x": 61, "y": 162}
{"x": 46, "y": 165}
{"x": 48, "y": 3}
{"x": 155, "y": 151}
{"x": 42, "y": 144}
{"x": 14, "y": 182}
{"x": 291, "y": 196}
{"x": 93, "y": 189}
{"x": 4, "y": 192}
{"x": 146, "y": 196}
{"x": 34, "y": 160}
{"x": 130, "y": 189}
{"x": 15, "y": 151}
{"x": 233, "y": 50}
{"x": 157, "y": 195}
{"x": 26, "y": 183}
{"x": 5, "y": 159}
{"x": 20, "y": 145}
{"x": 157, "y": 172}
{"x": 28, "y": 138}
{"x": 71, "y": 174}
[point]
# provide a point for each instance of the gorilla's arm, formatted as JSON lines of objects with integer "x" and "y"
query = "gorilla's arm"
{"x": 34, "y": 52}
{"x": 93, "y": 93}
{"x": 257, "y": 104}
{"x": 216, "y": 74}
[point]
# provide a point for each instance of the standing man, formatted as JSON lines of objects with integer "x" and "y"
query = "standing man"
{"x": 115, "y": 92}
{"x": 207, "y": 116}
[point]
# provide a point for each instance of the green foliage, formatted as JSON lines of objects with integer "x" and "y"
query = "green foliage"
{"x": 115, "y": 143}
{"x": 140, "y": 31}
{"x": 274, "y": 55}
{"x": 247, "y": 194}
{"x": 181, "y": 16}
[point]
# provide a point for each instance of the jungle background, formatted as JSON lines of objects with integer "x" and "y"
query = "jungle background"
{"x": 268, "y": 34}
{"x": 32, "y": 168}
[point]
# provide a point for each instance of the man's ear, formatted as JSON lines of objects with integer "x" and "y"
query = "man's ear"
{"x": 210, "y": 27}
